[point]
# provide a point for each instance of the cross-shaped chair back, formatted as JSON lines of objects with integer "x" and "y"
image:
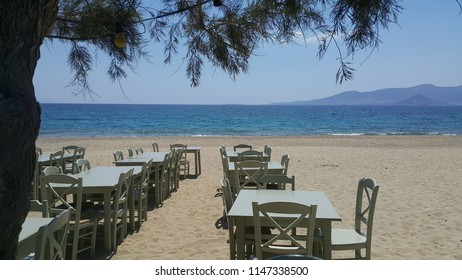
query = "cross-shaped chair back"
{"x": 365, "y": 205}
{"x": 56, "y": 159}
{"x": 284, "y": 218}
{"x": 246, "y": 174}
{"x": 51, "y": 239}
{"x": 62, "y": 192}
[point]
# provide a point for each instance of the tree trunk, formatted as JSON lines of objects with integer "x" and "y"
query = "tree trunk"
{"x": 23, "y": 25}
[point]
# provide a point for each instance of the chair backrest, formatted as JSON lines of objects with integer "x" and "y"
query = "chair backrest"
{"x": 139, "y": 150}
{"x": 366, "y": 199}
{"x": 285, "y": 162}
{"x": 83, "y": 164}
{"x": 38, "y": 150}
{"x": 118, "y": 155}
{"x": 70, "y": 149}
{"x": 56, "y": 159}
{"x": 181, "y": 147}
{"x": 242, "y": 147}
{"x": 58, "y": 190}
{"x": 228, "y": 201}
{"x": 76, "y": 152}
{"x": 37, "y": 206}
{"x": 276, "y": 181}
{"x": 224, "y": 161}
{"x": 164, "y": 176}
{"x": 155, "y": 147}
{"x": 50, "y": 170}
{"x": 130, "y": 152}
{"x": 250, "y": 155}
{"x": 228, "y": 198}
{"x": 143, "y": 183}
{"x": 284, "y": 217}
{"x": 51, "y": 238}
{"x": 246, "y": 174}
{"x": 268, "y": 150}
{"x": 120, "y": 199}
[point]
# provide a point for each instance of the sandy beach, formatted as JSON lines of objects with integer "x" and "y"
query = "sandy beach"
{"x": 418, "y": 212}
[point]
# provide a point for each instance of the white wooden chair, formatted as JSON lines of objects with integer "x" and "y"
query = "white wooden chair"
{"x": 139, "y": 206}
{"x": 283, "y": 241}
{"x": 268, "y": 150}
{"x": 228, "y": 201}
{"x": 246, "y": 174}
{"x": 51, "y": 239}
{"x": 357, "y": 238}
{"x": 184, "y": 162}
{"x": 83, "y": 165}
{"x": 57, "y": 189}
{"x": 285, "y": 162}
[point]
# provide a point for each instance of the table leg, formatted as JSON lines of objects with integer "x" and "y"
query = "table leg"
{"x": 240, "y": 240}
{"x": 107, "y": 222}
{"x": 198, "y": 163}
{"x": 327, "y": 239}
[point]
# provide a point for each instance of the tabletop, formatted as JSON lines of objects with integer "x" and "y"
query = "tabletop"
{"x": 272, "y": 165}
{"x": 103, "y": 176}
{"x": 157, "y": 158}
{"x": 28, "y": 235}
{"x": 242, "y": 207}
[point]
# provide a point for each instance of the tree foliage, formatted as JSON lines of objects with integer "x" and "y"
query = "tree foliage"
{"x": 226, "y": 33}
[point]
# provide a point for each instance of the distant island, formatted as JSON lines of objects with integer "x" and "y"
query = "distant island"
{"x": 421, "y": 95}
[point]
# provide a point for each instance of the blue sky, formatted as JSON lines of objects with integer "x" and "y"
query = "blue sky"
{"x": 424, "y": 48}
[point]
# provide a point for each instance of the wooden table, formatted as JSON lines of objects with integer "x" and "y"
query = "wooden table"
{"x": 104, "y": 180}
{"x": 157, "y": 163}
{"x": 274, "y": 167}
{"x": 241, "y": 211}
{"x": 28, "y": 236}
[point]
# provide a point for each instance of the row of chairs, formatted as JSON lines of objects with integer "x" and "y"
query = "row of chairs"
{"x": 184, "y": 162}
{"x": 66, "y": 164}
{"x": 175, "y": 166}
{"x": 86, "y": 211}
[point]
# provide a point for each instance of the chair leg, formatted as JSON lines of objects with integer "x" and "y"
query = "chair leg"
{"x": 93, "y": 238}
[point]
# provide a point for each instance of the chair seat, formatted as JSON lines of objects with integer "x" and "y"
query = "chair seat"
{"x": 83, "y": 222}
{"x": 347, "y": 237}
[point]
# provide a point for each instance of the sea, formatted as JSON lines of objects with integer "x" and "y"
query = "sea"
{"x": 147, "y": 120}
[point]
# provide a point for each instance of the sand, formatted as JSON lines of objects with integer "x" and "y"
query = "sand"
{"x": 418, "y": 213}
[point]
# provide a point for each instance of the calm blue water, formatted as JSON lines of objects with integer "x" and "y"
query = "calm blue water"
{"x": 108, "y": 120}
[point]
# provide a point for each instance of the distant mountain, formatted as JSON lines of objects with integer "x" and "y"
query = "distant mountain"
{"x": 421, "y": 95}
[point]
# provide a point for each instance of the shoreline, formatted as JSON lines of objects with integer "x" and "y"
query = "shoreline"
{"x": 418, "y": 207}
